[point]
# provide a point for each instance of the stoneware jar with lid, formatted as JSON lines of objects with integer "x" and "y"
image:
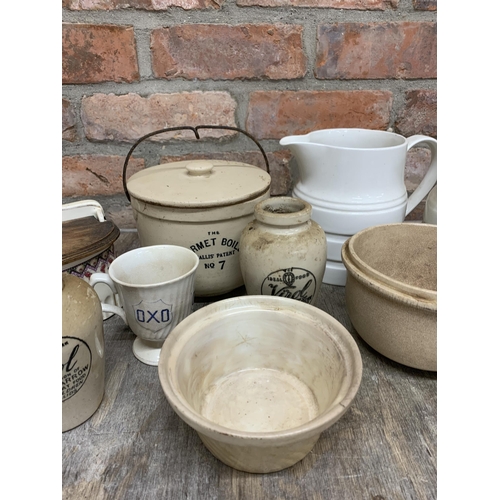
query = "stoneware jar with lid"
{"x": 201, "y": 205}
{"x": 82, "y": 352}
{"x": 283, "y": 252}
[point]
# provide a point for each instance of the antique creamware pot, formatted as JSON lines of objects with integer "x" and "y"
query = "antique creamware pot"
{"x": 259, "y": 378}
{"x": 354, "y": 179}
{"x": 282, "y": 251}
{"x": 391, "y": 291}
{"x": 203, "y": 205}
{"x": 88, "y": 243}
{"x": 82, "y": 352}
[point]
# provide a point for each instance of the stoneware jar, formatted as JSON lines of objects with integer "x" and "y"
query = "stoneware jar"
{"x": 203, "y": 205}
{"x": 82, "y": 352}
{"x": 283, "y": 252}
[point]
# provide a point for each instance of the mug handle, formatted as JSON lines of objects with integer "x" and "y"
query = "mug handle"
{"x": 109, "y": 308}
{"x": 430, "y": 177}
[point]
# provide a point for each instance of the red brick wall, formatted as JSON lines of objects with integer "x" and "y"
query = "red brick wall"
{"x": 271, "y": 67}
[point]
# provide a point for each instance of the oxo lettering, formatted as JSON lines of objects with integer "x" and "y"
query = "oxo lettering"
{"x": 164, "y": 316}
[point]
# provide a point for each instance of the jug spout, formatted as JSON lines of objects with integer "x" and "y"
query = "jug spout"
{"x": 311, "y": 157}
{"x": 313, "y": 161}
{"x": 290, "y": 140}
{"x": 306, "y": 153}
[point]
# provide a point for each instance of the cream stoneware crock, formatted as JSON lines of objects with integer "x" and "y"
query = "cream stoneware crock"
{"x": 259, "y": 378}
{"x": 203, "y": 205}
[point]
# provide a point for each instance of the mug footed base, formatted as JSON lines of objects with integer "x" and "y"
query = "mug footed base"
{"x": 147, "y": 351}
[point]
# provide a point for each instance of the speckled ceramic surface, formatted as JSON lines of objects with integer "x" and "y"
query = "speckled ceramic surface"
{"x": 259, "y": 378}
{"x": 391, "y": 291}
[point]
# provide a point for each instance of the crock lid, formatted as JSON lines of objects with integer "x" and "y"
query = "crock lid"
{"x": 85, "y": 238}
{"x": 199, "y": 183}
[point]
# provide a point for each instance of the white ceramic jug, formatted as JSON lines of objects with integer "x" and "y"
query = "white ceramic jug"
{"x": 354, "y": 179}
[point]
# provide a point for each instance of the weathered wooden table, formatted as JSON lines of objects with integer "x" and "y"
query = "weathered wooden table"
{"x": 136, "y": 447}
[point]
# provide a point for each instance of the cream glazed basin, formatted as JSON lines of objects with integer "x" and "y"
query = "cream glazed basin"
{"x": 391, "y": 291}
{"x": 259, "y": 378}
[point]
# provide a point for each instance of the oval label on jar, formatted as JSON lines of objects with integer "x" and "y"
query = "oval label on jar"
{"x": 76, "y": 364}
{"x": 293, "y": 282}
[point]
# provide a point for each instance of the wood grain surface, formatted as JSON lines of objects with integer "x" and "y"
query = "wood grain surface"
{"x": 85, "y": 238}
{"x": 136, "y": 447}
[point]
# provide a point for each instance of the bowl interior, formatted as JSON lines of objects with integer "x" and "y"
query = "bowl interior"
{"x": 255, "y": 370}
{"x": 401, "y": 253}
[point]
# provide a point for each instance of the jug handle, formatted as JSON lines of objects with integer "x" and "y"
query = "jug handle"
{"x": 430, "y": 178}
{"x": 197, "y": 135}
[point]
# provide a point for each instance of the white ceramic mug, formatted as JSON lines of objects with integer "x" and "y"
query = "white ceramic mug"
{"x": 155, "y": 285}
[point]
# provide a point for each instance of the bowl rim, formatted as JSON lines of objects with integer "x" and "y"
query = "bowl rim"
{"x": 368, "y": 271}
{"x": 382, "y": 288}
{"x": 347, "y": 347}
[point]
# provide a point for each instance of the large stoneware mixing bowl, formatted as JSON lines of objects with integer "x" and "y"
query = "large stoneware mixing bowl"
{"x": 391, "y": 291}
{"x": 259, "y": 378}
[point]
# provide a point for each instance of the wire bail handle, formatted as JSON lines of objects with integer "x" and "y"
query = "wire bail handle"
{"x": 197, "y": 135}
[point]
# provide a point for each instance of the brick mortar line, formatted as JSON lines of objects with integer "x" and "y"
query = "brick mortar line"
{"x": 170, "y": 148}
{"x": 311, "y": 20}
{"x": 283, "y": 15}
{"x": 146, "y": 88}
